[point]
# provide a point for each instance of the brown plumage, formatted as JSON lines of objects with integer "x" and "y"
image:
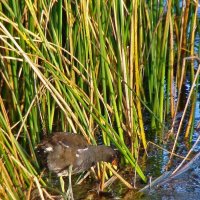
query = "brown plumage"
{"x": 66, "y": 149}
{"x": 68, "y": 154}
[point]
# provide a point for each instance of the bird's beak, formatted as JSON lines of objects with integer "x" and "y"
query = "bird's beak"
{"x": 115, "y": 162}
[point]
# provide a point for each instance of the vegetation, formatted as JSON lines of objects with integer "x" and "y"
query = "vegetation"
{"x": 94, "y": 68}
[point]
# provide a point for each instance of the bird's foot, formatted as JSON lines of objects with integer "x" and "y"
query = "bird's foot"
{"x": 69, "y": 194}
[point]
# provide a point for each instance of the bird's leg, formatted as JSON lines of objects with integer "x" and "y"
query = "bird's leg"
{"x": 69, "y": 191}
{"x": 62, "y": 184}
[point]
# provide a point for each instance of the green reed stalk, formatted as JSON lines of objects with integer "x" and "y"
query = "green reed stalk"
{"x": 89, "y": 68}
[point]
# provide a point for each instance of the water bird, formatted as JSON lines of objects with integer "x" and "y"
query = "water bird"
{"x": 69, "y": 154}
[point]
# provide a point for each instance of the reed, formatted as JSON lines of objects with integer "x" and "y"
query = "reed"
{"x": 88, "y": 67}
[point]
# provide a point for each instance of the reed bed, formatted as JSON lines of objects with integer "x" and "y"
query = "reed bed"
{"x": 94, "y": 68}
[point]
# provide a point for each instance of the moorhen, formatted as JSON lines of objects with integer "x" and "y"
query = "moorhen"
{"x": 70, "y": 153}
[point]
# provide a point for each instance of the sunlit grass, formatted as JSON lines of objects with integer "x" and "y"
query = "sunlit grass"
{"x": 89, "y": 68}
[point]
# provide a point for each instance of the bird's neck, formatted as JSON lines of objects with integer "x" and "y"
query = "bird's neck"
{"x": 97, "y": 153}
